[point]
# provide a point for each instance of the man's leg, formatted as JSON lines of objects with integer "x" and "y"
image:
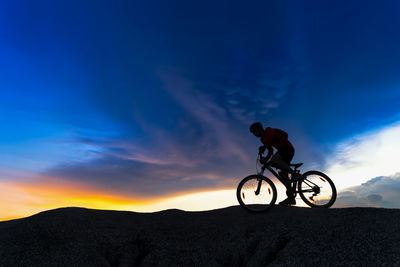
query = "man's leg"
{"x": 288, "y": 185}
{"x": 277, "y": 162}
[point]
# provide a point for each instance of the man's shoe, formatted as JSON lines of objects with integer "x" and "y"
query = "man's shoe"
{"x": 288, "y": 201}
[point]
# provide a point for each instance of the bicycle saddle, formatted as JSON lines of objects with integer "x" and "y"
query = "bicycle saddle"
{"x": 296, "y": 165}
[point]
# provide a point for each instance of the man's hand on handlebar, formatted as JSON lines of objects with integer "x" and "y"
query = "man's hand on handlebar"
{"x": 263, "y": 160}
{"x": 261, "y": 150}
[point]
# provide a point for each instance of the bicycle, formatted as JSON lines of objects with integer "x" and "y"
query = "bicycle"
{"x": 315, "y": 188}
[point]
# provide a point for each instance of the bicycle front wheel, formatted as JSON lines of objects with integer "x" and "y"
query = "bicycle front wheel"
{"x": 256, "y": 193}
{"x": 317, "y": 190}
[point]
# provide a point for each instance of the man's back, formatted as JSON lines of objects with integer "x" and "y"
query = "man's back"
{"x": 275, "y": 138}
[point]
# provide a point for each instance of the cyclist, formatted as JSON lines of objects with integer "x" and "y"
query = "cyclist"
{"x": 278, "y": 139}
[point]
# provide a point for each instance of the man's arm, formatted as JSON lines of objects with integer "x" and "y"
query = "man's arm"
{"x": 266, "y": 139}
{"x": 270, "y": 151}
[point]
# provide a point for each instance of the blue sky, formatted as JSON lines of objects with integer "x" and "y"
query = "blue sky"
{"x": 120, "y": 95}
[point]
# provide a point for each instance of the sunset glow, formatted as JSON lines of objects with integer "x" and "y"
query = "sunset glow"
{"x": 21, "y": 200}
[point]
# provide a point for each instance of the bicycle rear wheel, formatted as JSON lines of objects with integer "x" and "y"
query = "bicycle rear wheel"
{"x": 317, "y": 190}
{"x": 256, "y": 193}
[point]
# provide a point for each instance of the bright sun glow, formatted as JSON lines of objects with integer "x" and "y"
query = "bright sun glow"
{"x": 366, "y": 156}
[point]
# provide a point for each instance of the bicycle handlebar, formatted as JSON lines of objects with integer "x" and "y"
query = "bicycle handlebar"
{"x": 264, "y": 164}
{"x": 261, "y": 159}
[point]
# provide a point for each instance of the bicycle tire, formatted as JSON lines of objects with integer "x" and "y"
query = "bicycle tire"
{"x": 326, "y": 180}
{"x": 272, "y": 193}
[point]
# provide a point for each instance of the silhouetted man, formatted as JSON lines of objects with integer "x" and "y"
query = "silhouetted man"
{"x": 278, "y": 139}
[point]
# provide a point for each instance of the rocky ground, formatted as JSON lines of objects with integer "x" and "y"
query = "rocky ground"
{"x": 284, "y": 236}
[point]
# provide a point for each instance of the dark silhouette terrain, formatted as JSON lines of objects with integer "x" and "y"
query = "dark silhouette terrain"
{"x": 223, "y": 237}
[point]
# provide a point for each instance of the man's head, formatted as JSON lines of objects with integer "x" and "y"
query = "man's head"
{"x": 257, "y": 129}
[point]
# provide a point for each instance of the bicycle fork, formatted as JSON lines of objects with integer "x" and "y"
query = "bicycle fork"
{"x": 258, "y": 186}
{"x": 259, "y": 181}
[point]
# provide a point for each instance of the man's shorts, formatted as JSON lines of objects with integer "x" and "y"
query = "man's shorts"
{"x": 286, "y": 154}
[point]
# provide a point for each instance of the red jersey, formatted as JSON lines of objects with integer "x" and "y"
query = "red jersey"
{"x": 275, "y": 138}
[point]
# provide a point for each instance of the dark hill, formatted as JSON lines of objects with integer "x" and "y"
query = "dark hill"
{"x": 223, "y": 237}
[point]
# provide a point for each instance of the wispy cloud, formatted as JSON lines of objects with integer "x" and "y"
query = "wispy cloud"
{"x": 218, "y": 135}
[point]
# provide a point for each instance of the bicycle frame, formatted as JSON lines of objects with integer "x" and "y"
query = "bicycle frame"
{"x": 282, "y": 180}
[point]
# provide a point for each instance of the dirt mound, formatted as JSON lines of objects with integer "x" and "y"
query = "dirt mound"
{"x": 223, "y": 237}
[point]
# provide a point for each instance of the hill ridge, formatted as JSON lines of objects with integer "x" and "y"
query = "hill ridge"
{"x": 75, "y": 236}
